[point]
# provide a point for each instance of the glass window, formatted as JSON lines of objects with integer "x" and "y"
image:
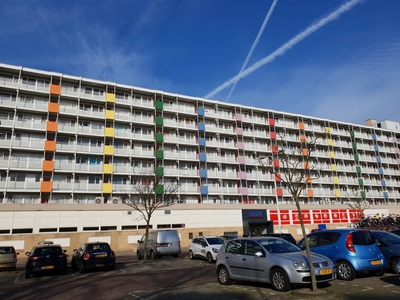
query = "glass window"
{"x": 234, "y": 247}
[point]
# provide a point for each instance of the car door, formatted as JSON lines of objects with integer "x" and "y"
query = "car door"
{"x": 203, "y": 248}
{"x": 233, "y": 258}
{"x": 253, "y": 267}
{"x": 326, "y": 244}
{"x": 195, "y": 247}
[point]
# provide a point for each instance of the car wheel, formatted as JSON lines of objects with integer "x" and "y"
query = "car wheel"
{"x": 152, "y": 255}
{"x": 81, "y": 268}
{"x": 393, "y": 264}
{"x": 378, "y": 273}
{"x": 223, "y": 276}
{"x": 139, "y": 256}
{"x": 279, "y": 280}
{"x": 209, "y": 258}
{"x": 27, "y": 274}
{"x": 191, "y": 256}
{"x": 345, "y": 271}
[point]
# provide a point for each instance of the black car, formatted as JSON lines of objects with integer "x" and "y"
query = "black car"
{"x": 46, "y": 258}
{"x": 286, "y": 236}
{"x": 93, "y": 255}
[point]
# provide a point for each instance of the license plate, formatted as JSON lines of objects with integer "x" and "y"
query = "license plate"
{"x": 99, "y": 265}
{"x": 47, "y": 267}
{"x": 376, "y": 262}
{"x": 164, "y": 244}
{"x": 325, "y": 272}
{"x": 100, "y": 255}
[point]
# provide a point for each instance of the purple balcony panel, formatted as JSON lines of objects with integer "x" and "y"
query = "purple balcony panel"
{"x": 240, "y": 145}
{"x": 395, "y": 139}
{"x": 243, "y": 175}
{"x": 239, "y": 131}
{"x": 397, "y": 150}
{"x": 242, "y": 160}
{"x": 238, "y": 117}
{"x": 245, "y": 191}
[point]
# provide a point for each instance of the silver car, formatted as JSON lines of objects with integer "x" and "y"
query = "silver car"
{"x": 271, "y": 260}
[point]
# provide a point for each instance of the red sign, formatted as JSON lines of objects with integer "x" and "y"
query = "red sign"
{"x": 284, "y": 216}
{"x": 305, "y": 214}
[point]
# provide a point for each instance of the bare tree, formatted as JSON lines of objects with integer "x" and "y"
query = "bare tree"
{"x": 355, "y": 202}
{"x": 150, "y": 192}
{"x": 294, "y": 167}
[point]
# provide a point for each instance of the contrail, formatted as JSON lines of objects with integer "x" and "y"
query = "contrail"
{"x": 255, "y": 43}
{"x": 342, "y": 9}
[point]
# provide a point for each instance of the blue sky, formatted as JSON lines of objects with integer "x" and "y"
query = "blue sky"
{"x": 346, "y": 70}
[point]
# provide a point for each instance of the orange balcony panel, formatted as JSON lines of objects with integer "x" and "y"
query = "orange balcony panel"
{"x": 271, "y": 122}
{"x": 305, "y": 152}
{"x": 48, "y": 165}
{"x": 52, "y": 126}
{"x": 307, "y": 165}
{"x": 273, "y": 135}
{"x": 303, "y": 139}
{"x": 279, "y": 192}
{"x": 55, "y": 89}
{"x": 46, "y": 186}
{"x": 308, "y": 179}
{"x": 278, "y": 178}
{"x": 276, "y": 163}
{"x": 301, "y": 126}
{"x": 274, "y": 149}
{"x": 53, "y": 107}
{"x": 310, "y": 193}
{"x": 50, "y": 146}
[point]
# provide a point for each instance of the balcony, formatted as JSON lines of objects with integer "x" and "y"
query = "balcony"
{"x": 5, "y": 143}
{"x": 89, "y": 168}
{"x": 31, "y": 165}
{"x": 66, "y": 147}
{"x": 123, "y": 169}
{"x": 35, "y": 105}
{"x": 92, "y": 113}
{"x": 191, "y": 173}
{"x": 64, "y": 165}
{"x": 86, "y": 187}
{"x": 44, "y": 88}
{"x": 89, "y": 149}
{"x": 62, "y": 186}
{"x": 123, "y": 133}
{"x": 23, "y": 185}
{"x": 31, "y": 124}
{"x": 90, "y": 130}
{"x": 7, "y": 102}
{"x": 31, "y": 144}
{"x": 188, "y": 155}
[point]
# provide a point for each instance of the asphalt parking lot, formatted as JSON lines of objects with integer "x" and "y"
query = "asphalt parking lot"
{"x": 174, "y": 278}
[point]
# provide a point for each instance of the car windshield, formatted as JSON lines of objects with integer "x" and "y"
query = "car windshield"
{"x": 279, "y": 246}
{"x": 215, "y": 241}
{"x": 6, "y": 250}
{"x": 387, "y": 237}
{"x": 47, "y": 251}
{"x": 97, "y": 247}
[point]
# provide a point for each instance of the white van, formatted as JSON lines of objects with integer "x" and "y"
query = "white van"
{"x": 160, "y": 243}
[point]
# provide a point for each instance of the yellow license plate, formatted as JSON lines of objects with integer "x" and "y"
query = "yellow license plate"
{"x": 164, "y": 245}
{"x": 47, "y": 267}
{"x": 376, "y": 262}
{"x": 101, "y": 255}
{"x": 325, "y": 272}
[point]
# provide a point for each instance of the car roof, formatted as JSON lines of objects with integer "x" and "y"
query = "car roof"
{"x": 48, "y": 246}
{"x": 94, "y": 243}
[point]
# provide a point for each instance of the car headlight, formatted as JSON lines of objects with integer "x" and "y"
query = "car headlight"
{"x": 215, "y": 250}
{"x": 300, "y": 265}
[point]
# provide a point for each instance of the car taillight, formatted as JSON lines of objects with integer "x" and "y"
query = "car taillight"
{"x": 157, "y": 245}
{"x": 62, "y": 256}
{"x": 86, "y": 256}
{"x": 349, "y": 243}
{"x": 112, "y": 254}
{"x": 33, "y": 258}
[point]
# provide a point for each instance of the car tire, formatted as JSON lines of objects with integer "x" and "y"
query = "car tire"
{"x": 345, "y": 271}
{"x": 81, "y": 268}
{"x": 393, "y": 264}
{"x": 27, "y": 274}
{"x": 377, "y": 273}
{"x": 209, "y": 258}
{"x": 279, "y": 280}
{"x": 223, "y": 276}
{"x": 139, "y": 256}
{"x": 191, "y": 256}
{"x": 152, "y": 255}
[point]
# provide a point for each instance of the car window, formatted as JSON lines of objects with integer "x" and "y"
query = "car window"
{"x": 6, "y": 250}
{"x": 215, "y": 241}
{"x": 251, "y": 247}
{"x": 387, "y": 237}
{"x": 279, "y": 246}
{"x": 313, "y": 240}
{"x": 46, "y": 251}
{"x": 328, "y": 238}
{"x": 363, "y": 238}
{"x": 96, "y": 247}
{"x": 234, "y": 247}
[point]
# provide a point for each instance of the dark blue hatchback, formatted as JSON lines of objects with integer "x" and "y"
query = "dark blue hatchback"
{"x": 389, "y": 244}
{"x": 352, "y": 250}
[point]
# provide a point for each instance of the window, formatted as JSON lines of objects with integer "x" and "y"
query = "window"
{"x": 94, "y": 180}
{"x": 234, "y": 247}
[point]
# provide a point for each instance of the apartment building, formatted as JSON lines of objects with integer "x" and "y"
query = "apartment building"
{"x": 72, "y": 140}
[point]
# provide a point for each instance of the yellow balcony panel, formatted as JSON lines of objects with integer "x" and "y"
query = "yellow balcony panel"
{"x": 109, "y": 150}
{"x": 110, "y": 114}
{"x": 337, "y": 193}
{"x": 333, "y": 167}
{"x": 327, "y": 130}
{"x": 335, "y": 180}
{"x": 109, "y": 132}
{"x": 110, "y": 97}
{"x": 330, "y": 143}
{"x": 107, "y": 188}
{"x": 108, "y": 168}
{"x": 332, "y": 154}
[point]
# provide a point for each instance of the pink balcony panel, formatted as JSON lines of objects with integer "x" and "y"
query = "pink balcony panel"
{"x": 239, "y": 131}
{"x": 243, "y": 175}
{"x": 245, "y": 191}
{"x": 241, "y": 160}
{"x": 238, "y": 117}
{"x": 240, "y": 145}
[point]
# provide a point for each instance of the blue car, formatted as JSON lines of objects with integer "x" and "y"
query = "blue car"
{"x": 352, "y": 250}
{"x": 389, "y": 244}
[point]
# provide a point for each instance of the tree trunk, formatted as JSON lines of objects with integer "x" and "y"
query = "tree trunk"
{"x": 303, "y": 229}
{"x": 147, "y": 237}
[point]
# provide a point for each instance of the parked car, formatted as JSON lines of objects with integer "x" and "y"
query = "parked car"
{"x": 271, "y": 260}
{"x": 229, "y": 237}
{"x": 285, "y": 236}
{"x": 93, "y": 255}
{"x": 8, "y": 257}
{"x": 205, "y": 247}
{"x": 352, "y": 250}
{"x": 160, "y": 243}
{"x": 389, "y": 244}
{"x": 45, "y": 242}
{"x": 396, "y": 231}
{"x": 46, "y": 258}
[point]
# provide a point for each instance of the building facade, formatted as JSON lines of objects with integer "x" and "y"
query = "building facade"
{"x": 77, "y": 141}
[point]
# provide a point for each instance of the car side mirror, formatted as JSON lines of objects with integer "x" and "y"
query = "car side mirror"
{"x": 378, "y": 243}
{"x": 65, "y": 251}
{"x": 259, "y": 254}
{"x": 74, "y": 250}
{"x": 27, "y": 253}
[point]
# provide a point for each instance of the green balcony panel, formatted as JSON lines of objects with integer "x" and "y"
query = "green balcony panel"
{"x": 159, "y": 154}
{"x": 159, "y": 105}
{"x": 159, "y": 121}
{"x": 159, "y": 137}
{"x": 358, "y": 169}
{"x": 360, "y": 181}
{"x": 354, "y": 145}
{"x": 159, "y": 190}
{"x": 363, "y": 196}
{"x": 356, "y": 157}
{"x": 159, "y": 171}
{"x": 352, "y": 134}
